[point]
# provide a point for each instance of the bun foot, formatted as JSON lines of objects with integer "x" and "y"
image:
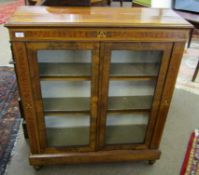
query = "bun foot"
{"x": 151, "y": 162}
{"x": 38, "y": 167}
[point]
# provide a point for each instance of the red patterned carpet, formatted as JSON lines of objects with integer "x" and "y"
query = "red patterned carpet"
{"x": 7, "y": 9}
{"x": 191, "y": 161}
{"x": 9, "y": 115}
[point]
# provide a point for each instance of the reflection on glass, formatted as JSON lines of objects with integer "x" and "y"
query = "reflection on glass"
{"x": 130, "y": 56}
{"x": 131, "y": 87}
{"x": 64, "y": 56}
{"x": 126, "y": 128}
{"x": 65, "y": 95}
{"x": 67, "y": 129}
{"x": 63, "y": 63}
{"x": 65, "y": 89}
{"x": 127, "y": 95}
{"x": 135, "y": 63}
{"x": 61, "y": 96}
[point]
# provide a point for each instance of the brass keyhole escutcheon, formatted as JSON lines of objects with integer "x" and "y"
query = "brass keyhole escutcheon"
{"x": 166, "y": 102}
{"x": 101, "y": 34}
{"x": 28, "y": 106}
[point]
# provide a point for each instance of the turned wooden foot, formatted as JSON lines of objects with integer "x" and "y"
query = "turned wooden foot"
{"x": 151, "y": 162}
{"x": 38, "y": 167}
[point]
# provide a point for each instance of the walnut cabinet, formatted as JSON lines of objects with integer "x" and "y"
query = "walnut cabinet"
{"x": 96, "y": 83}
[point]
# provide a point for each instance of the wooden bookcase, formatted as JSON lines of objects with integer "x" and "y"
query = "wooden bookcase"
{"x": 96, "y": 83}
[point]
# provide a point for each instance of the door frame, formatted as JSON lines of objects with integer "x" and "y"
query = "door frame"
{"x": 32, "y": 48}
{"x": 105, "y": 51}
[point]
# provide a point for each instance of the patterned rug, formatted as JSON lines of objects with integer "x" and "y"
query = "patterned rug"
{"x": 8, "y": 8}
{"x": 190, "y": 165}
{"x": 9, "y": 115}
{"x": 187, "y": 68}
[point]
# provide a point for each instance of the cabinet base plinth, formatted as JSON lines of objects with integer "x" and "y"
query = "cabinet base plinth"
{"x": 94, "y": 157}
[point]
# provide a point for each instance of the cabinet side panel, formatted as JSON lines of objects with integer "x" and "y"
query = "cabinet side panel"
{"x": 22, "y": 69}
{"x": 167, "y": 93}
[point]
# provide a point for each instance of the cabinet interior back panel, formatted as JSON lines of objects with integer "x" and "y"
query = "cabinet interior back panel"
{"x": 64, "y": 56}
{"x": 65, "y": 89}
{"x": 67, "y": 120}
{"x": 131, "y": 88}
{"x": 128, "y": 56}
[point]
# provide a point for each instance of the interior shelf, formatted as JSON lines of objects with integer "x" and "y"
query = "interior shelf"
{"x": 82, "y": 104}
{"x": 68, "y": 104}
{"x": 83, "y": 70}
{"x": 64, "y": 70}
{"x": 130, "y": 103}
{"x": 134, "y": 69}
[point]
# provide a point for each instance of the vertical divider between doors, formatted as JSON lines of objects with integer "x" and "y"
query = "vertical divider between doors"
{"x": 103, "y": 92}
{"x": 94, "y": 95}
{"x": 100, "y": 72}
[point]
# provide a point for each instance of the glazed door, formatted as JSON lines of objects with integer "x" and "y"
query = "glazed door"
{"x": 65, "y": 87}
{"x": 131, "y": 88}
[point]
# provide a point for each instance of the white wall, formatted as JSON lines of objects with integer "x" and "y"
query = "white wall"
{"x": 161, "y": 3}
{"x": 5, "y": 54}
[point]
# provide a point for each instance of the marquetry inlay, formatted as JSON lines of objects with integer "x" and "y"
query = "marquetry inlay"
{"x": 104, "y": 34}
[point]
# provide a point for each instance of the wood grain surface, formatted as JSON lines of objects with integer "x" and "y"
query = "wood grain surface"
{"x": 96, "y": 16}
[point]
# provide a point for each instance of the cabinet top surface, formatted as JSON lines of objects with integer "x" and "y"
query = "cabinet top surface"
{"x": 27, "y": 16}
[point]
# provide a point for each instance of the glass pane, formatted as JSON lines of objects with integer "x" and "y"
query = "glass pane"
{"x": 63, "y": 63}
{"x": 68, "y": 56}
{"x": 133, "y": 78}
{"x": 67, "y": 129}
{"x": 66, "y": 90}
{"x": 135, "y": 63}
{"x": 126, "y": 128}
{"x": 61, "y": 96}
{"x": 131, "y": 94}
